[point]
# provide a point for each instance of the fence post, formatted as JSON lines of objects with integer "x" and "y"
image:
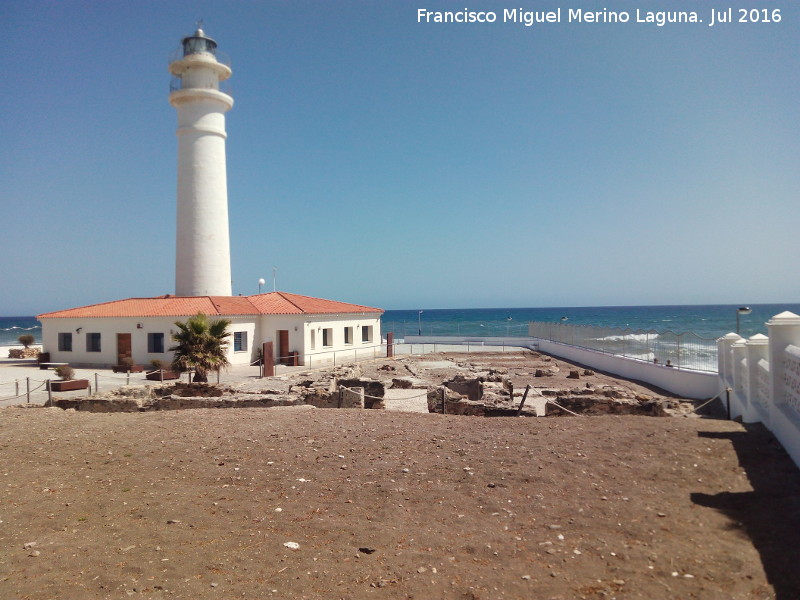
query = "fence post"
{"x": 49, "y": 394}
{"x": 28, "y": 388}
{"x": 524, "y": 397}
{"x": 127, "y": 377}
{"x": 96, "y": 383}
{"x": 16, "y": 387}
{"x": 784, "y": 330}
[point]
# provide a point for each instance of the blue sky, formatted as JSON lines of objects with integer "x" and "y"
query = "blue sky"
{"x": 378, "y": 160}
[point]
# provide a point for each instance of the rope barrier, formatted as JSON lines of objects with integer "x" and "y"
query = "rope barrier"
{"x": 22, "y": 380}
{"x": 708, "y": 401}
{"x": 556, "y": 404}
{"x": 422, "y": 395}
{"x": 22, "y": 395}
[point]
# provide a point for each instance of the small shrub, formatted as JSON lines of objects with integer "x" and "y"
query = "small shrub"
{"x": 159, "y": 364}
{"x": 127, "y": 362}
{"x": 26, "y": 339}
{"x": 65, "y": 372}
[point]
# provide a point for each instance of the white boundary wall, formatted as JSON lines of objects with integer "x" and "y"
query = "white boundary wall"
{"x": 689, "y": 384}
{"x": 697, "y": 385}
{"x": 763, "y": 375}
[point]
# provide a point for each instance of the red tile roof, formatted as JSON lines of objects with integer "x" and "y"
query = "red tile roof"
{"x": 273, "y": 303}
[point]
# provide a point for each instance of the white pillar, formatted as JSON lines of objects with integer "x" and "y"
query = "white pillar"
{"x": 724, "y": 359}
{"x": 784, "y": 329}
{"x": 202, "y": 259}
{"x": 738, "y": 397}
{"x": 757, "y": 349}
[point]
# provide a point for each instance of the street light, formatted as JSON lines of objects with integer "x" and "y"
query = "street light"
{"x": 742, "y": 310}
{"x": 260, "y": 283}
{"x": 419, "y": 319}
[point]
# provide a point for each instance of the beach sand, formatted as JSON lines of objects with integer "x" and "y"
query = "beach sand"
{"x": 202, "y": 504}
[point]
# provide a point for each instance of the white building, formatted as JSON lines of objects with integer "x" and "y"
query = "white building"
{"x": 101, "y": 335}
{"x": 141, "y": 328}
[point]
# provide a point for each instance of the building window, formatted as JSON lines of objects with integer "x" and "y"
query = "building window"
{"x": 327, "y": 338}
{"x": 240, "y": 341}
{"x": 93, "y": 342}
{"x": 313, "y": 339}
{"x": 65, "y": 342}
{"x": 366, "y": 333}
{"x": 348, "y": 335}
{"x": 155, "y": 343}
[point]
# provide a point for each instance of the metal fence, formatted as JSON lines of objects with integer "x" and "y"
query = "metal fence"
{"x": 681, "y": 350}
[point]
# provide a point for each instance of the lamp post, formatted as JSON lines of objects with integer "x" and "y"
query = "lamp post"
{"x": 260, "y": 283}
{"x": 742, "y": 310}
{"x": 419, "y": 319}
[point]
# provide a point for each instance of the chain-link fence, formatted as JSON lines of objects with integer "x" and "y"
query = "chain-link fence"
{"x": 681, "y": 350}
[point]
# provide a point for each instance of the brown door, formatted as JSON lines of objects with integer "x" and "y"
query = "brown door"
{"x": 123, "y": 347}
{"x": 283, "y": 346}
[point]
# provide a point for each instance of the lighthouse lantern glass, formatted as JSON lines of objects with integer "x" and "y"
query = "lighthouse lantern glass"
{"x": 196, "y": 45}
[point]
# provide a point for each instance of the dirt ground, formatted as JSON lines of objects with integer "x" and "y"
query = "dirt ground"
{"x": 379, "y": 504}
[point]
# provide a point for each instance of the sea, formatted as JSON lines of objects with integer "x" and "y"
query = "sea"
{"x": 706, "y": 321}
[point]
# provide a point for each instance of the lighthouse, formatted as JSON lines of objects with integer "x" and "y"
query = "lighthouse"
{"x": 202, "y": 258}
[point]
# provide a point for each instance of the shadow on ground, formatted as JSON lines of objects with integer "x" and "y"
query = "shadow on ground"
{"x": 770, "y": 514}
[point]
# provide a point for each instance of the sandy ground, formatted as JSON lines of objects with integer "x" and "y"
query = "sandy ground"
{"x": 309, "y": 503}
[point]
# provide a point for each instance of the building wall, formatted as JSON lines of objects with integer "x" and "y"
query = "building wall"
{"x": 257, "y": 329}
{"x": 300, "y": 329}
{"x": 108, "y": 328}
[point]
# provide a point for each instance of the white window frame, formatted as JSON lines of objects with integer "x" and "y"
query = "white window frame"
{"x": 90, "y": 346}
{"x": 151, "y": 344}
{"x": 65, "y": 342}
{"x": 241, "y": 342}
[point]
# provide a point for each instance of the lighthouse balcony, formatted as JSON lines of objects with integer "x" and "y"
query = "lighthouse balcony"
{"x": 219, "y": 55}
{"x": 176, "y": 84}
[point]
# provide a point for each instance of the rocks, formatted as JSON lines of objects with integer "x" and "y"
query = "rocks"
{"x": 574, "y": 374}
{"x": 374, "y": 390}
{"x": 24, "y": 352}
{"x": 435, "y": 398}
{"x": 402, "y": 384}
{"x": 605, "y": 405}
{"x": 465, "y": 386}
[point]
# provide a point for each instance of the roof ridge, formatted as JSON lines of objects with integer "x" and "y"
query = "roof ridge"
{"x": 284, "y": 294}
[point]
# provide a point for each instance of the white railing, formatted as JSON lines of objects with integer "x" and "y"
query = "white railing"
{"x": 762, "y": 392}
{"x": 762, "y": 377}
{"x": 791, "y": 376}
{"x": 679, "y": 350}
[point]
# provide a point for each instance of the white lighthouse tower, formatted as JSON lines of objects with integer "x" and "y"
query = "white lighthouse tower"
{"x": 203, "y": 261}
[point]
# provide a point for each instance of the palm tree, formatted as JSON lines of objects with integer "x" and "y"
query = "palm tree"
{"x": 201, "y": 345}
